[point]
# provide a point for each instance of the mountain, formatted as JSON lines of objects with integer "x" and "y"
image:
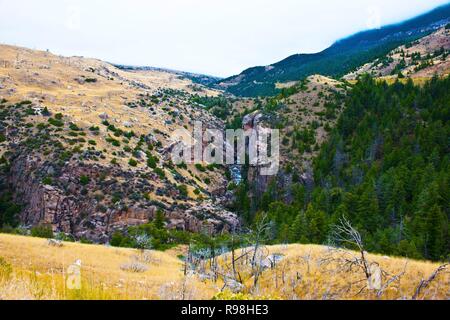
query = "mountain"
{"x": 419, "y": 59}
{"x": 194, "y": 77}
{"x": 341, "y": 58}
{"x": 371, "y": 149}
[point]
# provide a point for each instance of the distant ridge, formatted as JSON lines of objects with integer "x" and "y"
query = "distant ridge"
{"x": 342, "y": 57}
{"x": 194, "y": 77}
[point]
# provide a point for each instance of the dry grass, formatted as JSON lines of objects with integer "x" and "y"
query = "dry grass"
{"x": 38, "y": 271}
{"x": 307, "y": 272}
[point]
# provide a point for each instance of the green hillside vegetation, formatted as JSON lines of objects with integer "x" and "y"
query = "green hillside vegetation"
{"x": 386, "y": 168}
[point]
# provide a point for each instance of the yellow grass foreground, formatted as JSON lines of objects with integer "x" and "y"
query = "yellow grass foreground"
{"x": 312, "y": 272}
{"x": 40, "y": 271}
{"x": 31, "y": 268}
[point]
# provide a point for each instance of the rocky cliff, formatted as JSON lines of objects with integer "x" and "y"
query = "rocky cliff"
{"x": 83, "y": 147}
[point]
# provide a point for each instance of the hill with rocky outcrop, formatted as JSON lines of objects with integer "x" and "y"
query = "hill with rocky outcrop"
{"x": 85, "y": 146}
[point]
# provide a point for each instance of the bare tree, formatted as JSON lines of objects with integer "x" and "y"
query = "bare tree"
{"x": 391, "y": 281}
{"x": 258, "y": 236}
{"x": 425, "y": 283}
{"x": 344, "y": 233}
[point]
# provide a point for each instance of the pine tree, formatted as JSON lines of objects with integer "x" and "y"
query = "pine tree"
{"x": 159, "y": 221}
{"x": 437, "y": 228}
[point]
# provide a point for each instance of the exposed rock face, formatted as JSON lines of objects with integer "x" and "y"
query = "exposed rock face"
{"x": 206, "y": 217}
{"x": 77, "y": 209}
{"x": 260, "y": 183}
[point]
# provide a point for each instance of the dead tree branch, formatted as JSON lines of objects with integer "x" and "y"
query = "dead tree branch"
{"x": 425, "y": 283}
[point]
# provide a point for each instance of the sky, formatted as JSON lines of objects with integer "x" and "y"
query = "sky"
{"x": 214, "y": 37}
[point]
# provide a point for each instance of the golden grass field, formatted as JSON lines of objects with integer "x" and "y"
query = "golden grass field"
{"x": 34, "y": 270}
{"x": 39, "y": 271}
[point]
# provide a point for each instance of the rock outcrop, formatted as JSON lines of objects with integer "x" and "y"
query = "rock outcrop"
{"x": 85, "y": 211}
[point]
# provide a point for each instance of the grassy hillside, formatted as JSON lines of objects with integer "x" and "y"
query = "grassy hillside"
{"x": 81, "y": 133}
{"x": 336, "y": 61}
{"x": 32, "y": 269}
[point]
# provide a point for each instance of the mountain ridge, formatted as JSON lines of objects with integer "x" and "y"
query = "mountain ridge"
{"x": 198, "y": 78}
{"x": 337, "y": 60}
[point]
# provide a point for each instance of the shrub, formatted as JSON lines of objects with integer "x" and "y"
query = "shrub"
{"x": 182, "y": 165}
{"x": 133, "y": 163}
{"x": 118, "y": 133}
{"x": 56, "y": 122}
{"x": 127, "y": 149}
{"x": 41, "y": 126}
{"x": 116, "y": 239}
{"x": 183, "y": 190}
{"x": 46, "y": 112}
{"x": 115, "y": 143}
{"x": 47, "y": 181}
{"x": 129, "y": 134}
{"x": 86, "y": 241}
{"x": 84, "y": 180}
{"x": 200, "y": 167}
{"x": 8, "y": 211}
{"x": 160, "y": 172}
{"x": 74, "y": 127}
{"x": 42, "y": 231}
{"x": 151, "y": 162}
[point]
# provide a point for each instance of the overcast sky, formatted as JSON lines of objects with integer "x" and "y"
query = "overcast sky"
{"x": 216, "y": 37}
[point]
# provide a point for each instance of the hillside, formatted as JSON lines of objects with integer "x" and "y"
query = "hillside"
{"x": 341, "y": 58}
{"x": 81, "y": 140}
{"x": 420, "y": 59}
{"x": 194, "y": 77}
{"x": 30, "y": 268}
{"x": 383, "y": 163}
